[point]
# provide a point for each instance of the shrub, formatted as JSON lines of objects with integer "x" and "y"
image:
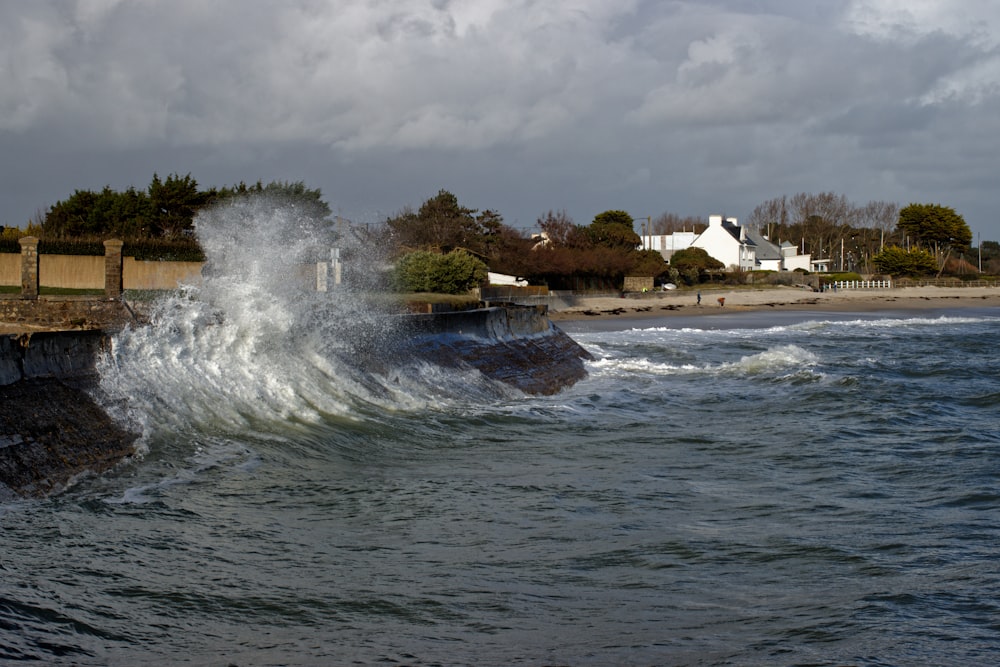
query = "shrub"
{"x": 454, "y": 273}
{"x": 164, "y": 250}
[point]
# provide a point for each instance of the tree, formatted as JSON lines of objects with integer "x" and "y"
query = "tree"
{"x": 693, "y": 262}
{"x": 648, "y": 263}
{"x": 166, "y": 208}
{"x": 828, "y": 224}
{"x": 174, "y": 202}
{"x": 443, "y": 224}
{"x": 307, "y": 202}
{"x": 668, "y": 223}
{"x": 613, "y": 229}
{"x": 897, "y": 261}
{"x": 936, "y": 226}
{"x": 561, "y": 231}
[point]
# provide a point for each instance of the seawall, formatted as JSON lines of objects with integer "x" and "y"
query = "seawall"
{"x": 52, "y": 430}
{"x": 517, "y": 345}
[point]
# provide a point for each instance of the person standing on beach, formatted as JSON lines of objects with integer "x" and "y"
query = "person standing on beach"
{"x": 699, "y": 297}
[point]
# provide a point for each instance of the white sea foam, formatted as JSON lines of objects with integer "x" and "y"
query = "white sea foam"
{"x": 775, "y": 359}
{"x": 254, "y": 343}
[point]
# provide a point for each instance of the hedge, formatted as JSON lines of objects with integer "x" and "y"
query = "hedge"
{"x": 183, "y": 250}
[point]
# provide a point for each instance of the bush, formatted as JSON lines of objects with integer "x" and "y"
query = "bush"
{"x": 163, "y": 250}
{"x": 842, "y": 277}
{"x": 454, "y": 273}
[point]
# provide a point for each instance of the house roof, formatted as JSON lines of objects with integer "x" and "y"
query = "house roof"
{"x": 765, "y": 249}
{"x": 734, "y": 231}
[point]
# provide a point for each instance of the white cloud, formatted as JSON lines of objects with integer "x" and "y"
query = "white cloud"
{"x": 577, "y": 100}
{"x": 975, "y": 20}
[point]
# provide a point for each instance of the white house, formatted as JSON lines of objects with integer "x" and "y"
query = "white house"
{"x": 792, "y": 260}
{"x": 668, "y": 244}
{"x": 727, "y": 241}
{"x": 736, "y": 246}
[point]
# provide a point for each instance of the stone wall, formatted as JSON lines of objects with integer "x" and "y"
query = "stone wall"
{"x": 58, "y": 313}
{"x": 638, "y": 283}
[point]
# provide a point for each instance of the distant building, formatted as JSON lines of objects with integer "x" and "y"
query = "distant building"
{"x": 727, "y": 241}
{"x": 668, "y": 244}
{"x": 736, "y": 246}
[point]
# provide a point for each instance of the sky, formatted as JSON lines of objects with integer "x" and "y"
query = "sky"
{"x": 519, "y": 106}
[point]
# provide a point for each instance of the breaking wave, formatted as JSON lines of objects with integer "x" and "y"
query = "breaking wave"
{"x": 257, "y": 347}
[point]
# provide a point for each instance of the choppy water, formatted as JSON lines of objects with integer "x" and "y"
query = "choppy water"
{"x": 779, "y": 489}
{"x": 753, "y": 489}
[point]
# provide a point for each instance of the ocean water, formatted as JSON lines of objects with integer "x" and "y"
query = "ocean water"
{"x": 763, "y": 489}
{"x": 766, "y": 488}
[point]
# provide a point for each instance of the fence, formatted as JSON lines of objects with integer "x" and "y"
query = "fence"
{"x": 945, "y": 282}
{"x": 111, "y": 273}
{"x": 861, "y": 284}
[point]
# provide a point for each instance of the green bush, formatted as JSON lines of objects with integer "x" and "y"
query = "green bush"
{"x": 70, "y": 247}
{"x": 163, "y": 250}
{"x": 844, "y": 276}
{"x": 454, "y": 273}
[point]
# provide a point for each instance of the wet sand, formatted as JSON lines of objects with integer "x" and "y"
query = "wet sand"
{"x": 684, "y": 302}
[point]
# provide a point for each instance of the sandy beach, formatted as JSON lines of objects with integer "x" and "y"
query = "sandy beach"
{"x": 685, "y": 302}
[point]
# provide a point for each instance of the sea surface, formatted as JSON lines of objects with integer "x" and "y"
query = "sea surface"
{"x": 766, "y": 488}
{"x": 769, "y": 488}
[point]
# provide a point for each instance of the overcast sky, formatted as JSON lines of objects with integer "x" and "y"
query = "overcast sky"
{"x": 521, "y": 106}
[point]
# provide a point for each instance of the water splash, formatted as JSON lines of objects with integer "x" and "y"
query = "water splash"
{"x": 256, "y": 343}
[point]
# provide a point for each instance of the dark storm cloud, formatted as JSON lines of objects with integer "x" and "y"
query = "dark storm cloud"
{"x": 520, "y": 106}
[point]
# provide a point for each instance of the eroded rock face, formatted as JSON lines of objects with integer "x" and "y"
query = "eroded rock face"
{"x": 51, "y": 432}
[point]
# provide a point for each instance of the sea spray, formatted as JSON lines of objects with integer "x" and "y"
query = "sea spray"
{"x": 256, "y": 342}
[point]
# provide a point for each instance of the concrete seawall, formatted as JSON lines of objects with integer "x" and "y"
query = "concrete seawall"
{"x": 515, "y": 345}
{"x": 52, "y": 430}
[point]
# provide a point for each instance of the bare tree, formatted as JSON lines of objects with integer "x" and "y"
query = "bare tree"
{"x": 771, "y": 217}
{"x": 668, "y": 223}
{"x": 561, "y": 231}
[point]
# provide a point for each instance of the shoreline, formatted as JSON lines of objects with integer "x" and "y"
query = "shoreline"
{"x": 684, "y": 303}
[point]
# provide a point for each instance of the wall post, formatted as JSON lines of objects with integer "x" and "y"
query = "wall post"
{"x": 113, "y": 268}
{"x": 29, "y": 267}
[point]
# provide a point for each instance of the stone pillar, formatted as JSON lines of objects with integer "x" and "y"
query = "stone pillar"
{"x": 113, "y": 268}
{"x": 29, "y": 267}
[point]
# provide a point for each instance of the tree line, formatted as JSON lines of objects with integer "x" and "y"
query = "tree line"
{"x": 874, "y": 237}
{"x": 564, "y": 255}
{"x": 163, "y": 210}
